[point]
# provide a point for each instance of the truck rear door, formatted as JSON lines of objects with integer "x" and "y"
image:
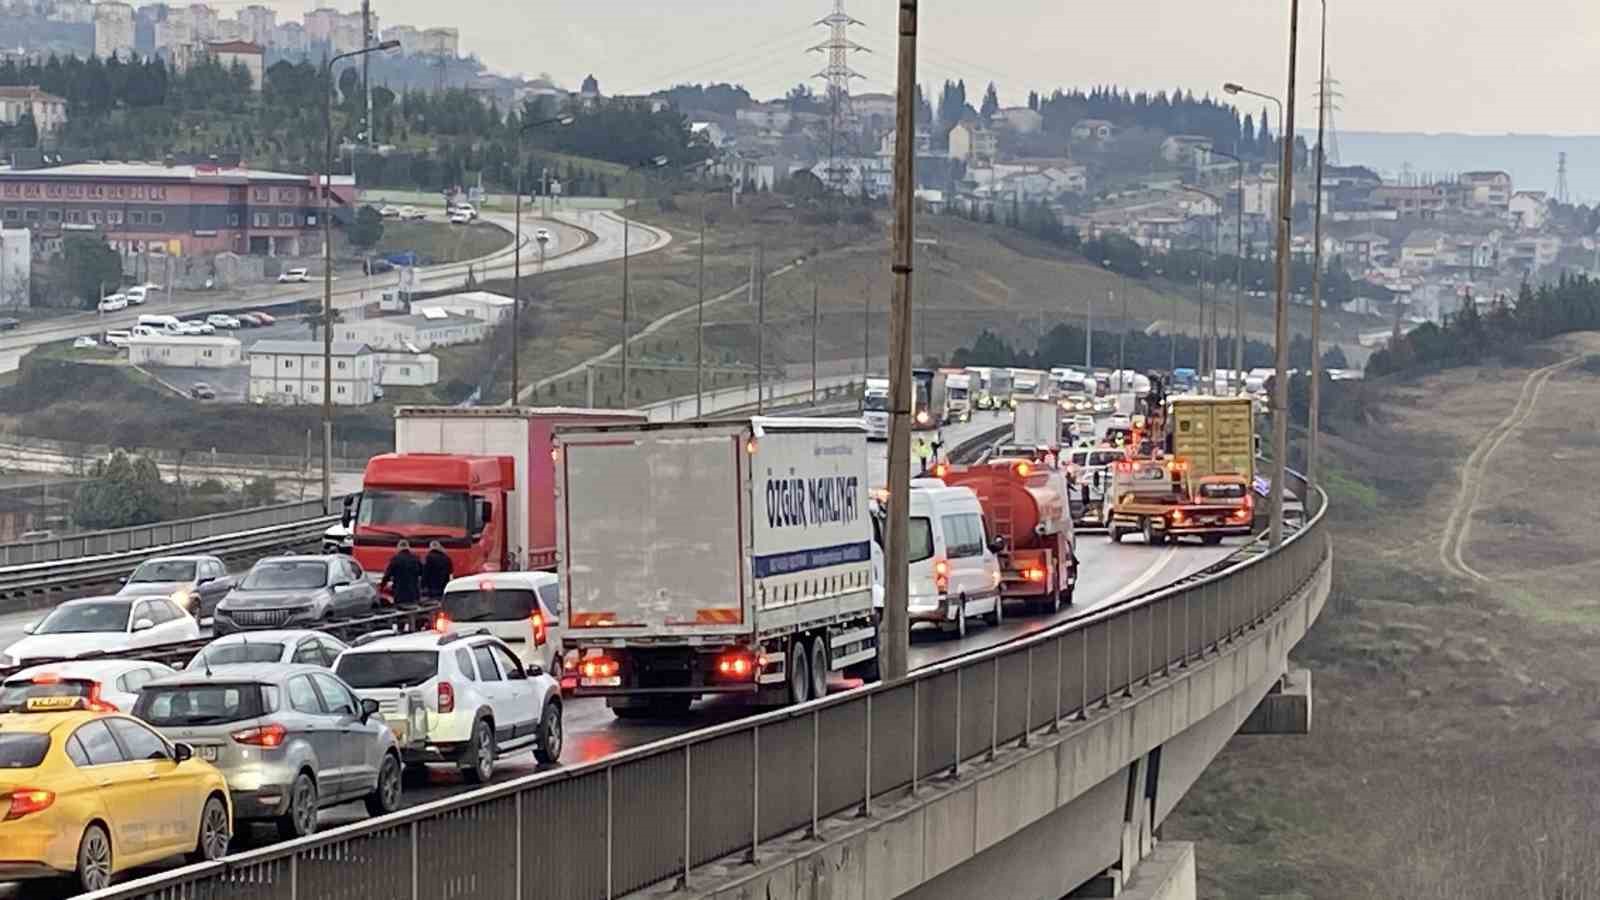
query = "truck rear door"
{"x": 650, "y": 532}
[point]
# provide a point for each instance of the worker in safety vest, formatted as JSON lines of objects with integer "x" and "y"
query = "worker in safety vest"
{"x": 923, "y": 452}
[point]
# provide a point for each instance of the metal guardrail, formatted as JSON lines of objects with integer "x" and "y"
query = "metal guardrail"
{"x": 650, "y": 815}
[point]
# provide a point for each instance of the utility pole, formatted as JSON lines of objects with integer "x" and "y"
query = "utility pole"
{"x": 700, "y": 319}
{"x": 895, "y": 645}
{"x": 1315, "y": 415}
{"x": 759, "y": 285}
{"x": 866, "y": 336}
{"x": 624, "y": 404}
{"x": 815, "y": 290}
{"x": 1088, "y": 340}
{"x": 366, "y": 76}
{"x": 1280, "y": 390}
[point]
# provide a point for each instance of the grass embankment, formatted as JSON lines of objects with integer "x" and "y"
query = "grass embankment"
{"x": 441, "y": 242}
{"x": 1452, "y": 746}
{"x": 969, "y": 277}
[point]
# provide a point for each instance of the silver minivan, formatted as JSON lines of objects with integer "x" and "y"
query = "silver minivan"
{"x": 290, "y": 739}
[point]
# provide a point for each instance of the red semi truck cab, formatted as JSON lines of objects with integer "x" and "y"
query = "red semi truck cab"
{"x": 478, "y": 479}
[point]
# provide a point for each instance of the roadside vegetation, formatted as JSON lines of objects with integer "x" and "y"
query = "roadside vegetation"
{"x": 1454, "y": 720}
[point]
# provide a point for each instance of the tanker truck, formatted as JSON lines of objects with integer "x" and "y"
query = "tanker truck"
{"x": 1027, "y": 506}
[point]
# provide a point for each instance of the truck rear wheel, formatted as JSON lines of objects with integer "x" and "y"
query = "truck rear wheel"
{"x": 1211, "y": 540}
{"x": 1150, "y": 535}
{"x": 819, "y": 666}
{"x": 799, "y": 672}
{"x": 1114, "y": 533}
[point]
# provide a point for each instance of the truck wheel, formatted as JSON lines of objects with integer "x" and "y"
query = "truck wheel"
{"x": 999, "y": 614}
{"x": 1114, "y": 533}
{"x": 1211, "y": 540}
{"x": 1053, "y": 605}
{"x": 799, "y": 673}
{"x": 819, "y": 666}
{"x": 1150, "y": 536}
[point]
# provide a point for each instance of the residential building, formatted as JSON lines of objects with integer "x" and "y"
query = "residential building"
{"x": 1260, "y": 196}
{"x": 872, "y": 175}
{"x": 1419, "y": 252}
{"x": 756, "y": 173}
{"x": 924, "y": 142}
{"x": 713, "y": 133}
{"x": 205, "y": 21}
{"x": 1529, "y": 210}
{"x": 412, "y": 333}
{"x": 290, "y": 38}
{"x": 770, "y": 116}
{"x": 347, "y": 33}
{"x": 320, "y": 23}
{"x": 242, "y": 53}
{"x": 1363, "y": 251}
{"x": 1096, "y": 130}
{"x": 1423, "y": 201}
{"x": 409, "y": 36}
{"x": 1487, "y": 190}
{"x": 113, "y": 29}
{"x": 259, "y": 22}
{"x": 444, "y": 42}
{"x": 1019, "y": 119}
{"x": 185, "y": 351}
{"x": 73, "y": 12}
{"x": 970, "y": 141}
{"x": 488, "y": 306}
{"x": 408, "y": 369}
{"x": 49, "y": 111}
{"x": 178, "y": 209}
{"x": 875, "y": 112}
{"x": 1187, "y": 150}
{"x": 642, "y": 102}
{"x": 1533, "y": 252}
{"x": 16, "y": 267}
{"x": 291, "y": 372}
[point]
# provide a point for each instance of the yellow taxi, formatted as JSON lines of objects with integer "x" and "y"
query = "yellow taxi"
{"x": 87, "y": 794}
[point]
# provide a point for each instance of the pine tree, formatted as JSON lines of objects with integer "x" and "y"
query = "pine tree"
{"x": 991, "y": 102}
{"x": 1264, "y": 136}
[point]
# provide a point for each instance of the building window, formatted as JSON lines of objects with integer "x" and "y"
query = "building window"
{"x": 52, "y": 215}
{"x": 137, "y": 192}
{"x": 288, "y": 364}
{"x": 158, "y": 193}
{"x": 136, "y": 217}
{"x": 12, "y": 215}
{"x": 205, "y": 353}
{"x": 233, "y": 219}
{"x": 116, "y": 191}
{"x": 30, "y": 190}
{"x": 52, "y": 190}
{"x": 158, "y": 218}
{"x": 96, "y": 190}
{"x": 341, "y": 365}
{"x": 114, "y": 216}
{"x": 285, "y": 220}
{"x": 31, "y": 215}
{"x": 341, "y": 389}
{"x": 287, "y": 389}
{"x": 405, "y": 370}
{"x": 261, "y": 220}
{"x": 96, "y": 217}
{"x": 75, "y": 216}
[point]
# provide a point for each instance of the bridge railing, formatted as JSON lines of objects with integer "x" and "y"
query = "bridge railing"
{"x": 650, "y": 815}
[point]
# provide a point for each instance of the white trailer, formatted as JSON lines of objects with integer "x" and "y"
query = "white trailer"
{"x": 715, "y": 558}
{"x": 1036, "y": 423}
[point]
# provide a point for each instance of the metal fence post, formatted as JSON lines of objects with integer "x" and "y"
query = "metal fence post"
{"x": 955, "y": 767}
{"x": 755, "y": 795}
{"x": 517, "y": 805}
{"x": 1150, "y": 643}
{"x": 866, "y": 788}
{"x": 1083, "y": 705}
{"x": 416, "y": 888}
{"x": 610, "y": 836}
{"x": 994, "y": 711}
{"x": 816, "y": 774}
{"x": 1106, "y": 703}
{"x": 1027, "y": 702}
{"x": 916, "y": 726}
{"x": 688, "y": 849}
{"x": 1061, "y": 672}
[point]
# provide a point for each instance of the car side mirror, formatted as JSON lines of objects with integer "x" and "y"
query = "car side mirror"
{"x": 122, "y": 580}
{"x": 182, "y": 753}
{"x": 534, "y": 671}
{"x": 205, "y": 579}
{"x": 369, "y": 708}
{"x": 30, "y": 628}
{"x": 144, "y": 625}
{"x": 998, "y": 544}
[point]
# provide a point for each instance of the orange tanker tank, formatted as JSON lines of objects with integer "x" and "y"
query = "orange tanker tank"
{"x": 1027, "y": 506}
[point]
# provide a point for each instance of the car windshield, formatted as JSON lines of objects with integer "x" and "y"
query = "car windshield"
{"x": 236, "y": 652}
{"x": 83, "y": 618}
{"x": 23, "y": 751}
{"x": 1222, "y": 491}
{"x": 270, "y": 575}
{"x": 381, "y": 669}
{"x": 165, "y": 569}
{"x": 919, "y": 541}
{"x": 198, "y": 704}
{"x": 415, "y": 513}
{"x": 874, "y": 403}
{"x": 14, "y": 695}
{"x": 956, "y": 393}
{"x": 496, "y": 605}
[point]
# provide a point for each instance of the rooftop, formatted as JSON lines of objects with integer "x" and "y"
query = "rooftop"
{"x": 154, "y": 170}
{"x": 307, "y": 348}
{"x": 28, "y": 92}
{"x": 234, "y": 47}
{"x": 179, "y": 340}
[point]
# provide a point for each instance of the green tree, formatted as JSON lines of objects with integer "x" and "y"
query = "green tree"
{"x": 123, "y": 489}
{"x": 89, "y": 264}
{"x": 367, "y": 229}
{"x": 260, "y": 491}
{"x": 991, "y": 102}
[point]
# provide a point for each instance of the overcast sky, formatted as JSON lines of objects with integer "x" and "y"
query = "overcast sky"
{"x": 1403, "y": 65}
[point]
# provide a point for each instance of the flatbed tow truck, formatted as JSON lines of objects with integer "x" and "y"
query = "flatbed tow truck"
{"x": 1197, "y": 482}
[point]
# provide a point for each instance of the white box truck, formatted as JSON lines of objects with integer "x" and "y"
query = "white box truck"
{"x": 1036, "y": 423}
{"x": 715, "y": 558}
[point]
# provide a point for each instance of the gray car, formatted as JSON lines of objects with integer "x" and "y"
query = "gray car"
{"x": 295, "y": 591}
{"x": 196, "y": 583}
{"x": 290, "y": 739}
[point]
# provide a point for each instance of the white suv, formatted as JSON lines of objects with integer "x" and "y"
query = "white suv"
{"x": 460, "y": 697}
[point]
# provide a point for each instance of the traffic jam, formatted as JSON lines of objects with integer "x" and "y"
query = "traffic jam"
{"x": 505, "y": 560}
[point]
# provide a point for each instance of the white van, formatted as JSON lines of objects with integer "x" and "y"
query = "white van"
{"x": 167, "y": 324}
{"x": 954, "y": 573}
{"x": 521, "y": 608}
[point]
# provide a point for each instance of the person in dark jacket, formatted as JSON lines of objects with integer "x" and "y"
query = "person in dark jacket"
{"x": 403, "y": 575}
{"x": 436, "y": 571}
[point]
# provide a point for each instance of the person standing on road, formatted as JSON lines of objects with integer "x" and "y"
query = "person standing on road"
{"x": 403, "y": 575}
{"x": 436, "y": 571}
{"x": 923, "y": 452}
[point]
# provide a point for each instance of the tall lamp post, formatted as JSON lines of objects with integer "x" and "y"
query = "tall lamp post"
{"x": 654, "y": 162}
{"x": 1238, "y": 277}
{"x": 1280, "y": 388}
{"x": 516, "y": 270}
{"x": 327, "y": 265}
{"x": 1315, "y": 414}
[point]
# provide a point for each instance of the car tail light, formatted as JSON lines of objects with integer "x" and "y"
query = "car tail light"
{"x": 540, "y": 631}
{"x": 599, "y": 667}
{"x": 262, "y": 736}
{"x": 736, "y": 665}
{"x": 447, "y": 697}
{"x": 1242, "y": 513}
{"x": 28, "y": 800}
{"x": 941, "y": 575}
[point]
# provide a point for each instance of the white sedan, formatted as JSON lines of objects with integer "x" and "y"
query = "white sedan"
{"x": 85, "y": 342}
{"x": 98, "y": 624}
{"x": 108, "y": 682}
{"x": 113, "y": 303}
{"x": 388, "y": 212}
{"x": 294, "y": 645}
{"x": 196, "y": 326}
{"x": 295, "y": 276}
{"x": 219, "y": 320}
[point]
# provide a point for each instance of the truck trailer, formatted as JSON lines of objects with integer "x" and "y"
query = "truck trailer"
{"x": 715, "y": 558}
{"x": 478, "y": 479}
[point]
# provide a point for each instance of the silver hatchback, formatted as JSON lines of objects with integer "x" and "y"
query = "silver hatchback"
{"x": 290, "y": 739}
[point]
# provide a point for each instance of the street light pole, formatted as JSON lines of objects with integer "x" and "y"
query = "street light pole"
{"x": 327, "y": 266}
{"x": 516, "y": 265}
{"x": 1315, "y": 414}
{"x": 657, "y": 162}
{"x": 1238, "y": 277}
{"x": 700, "y": 319}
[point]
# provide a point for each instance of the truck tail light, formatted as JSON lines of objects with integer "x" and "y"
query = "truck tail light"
{"x": 1033, "y": 573}
{"x": 268, "y": 736}
{"x": 1024, "y": 469}
{"x": 1242, "y": 513}
{"x": 28, "y": 800}
{"x": 540, "y": 631}
{"x": 941, "y": 575}
{"x": 599, "y": 667}
{"x": 441, "y": 622}
{"x": 736, "y": 665}
{"x": 1178, "y": 518}
{"x": 447, "y": 698}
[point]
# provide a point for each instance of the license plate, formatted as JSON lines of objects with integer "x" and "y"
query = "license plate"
{"x": 1213, "y": 520}
{"x": 613, "y": 681}
{"x": 209, "y": 754}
